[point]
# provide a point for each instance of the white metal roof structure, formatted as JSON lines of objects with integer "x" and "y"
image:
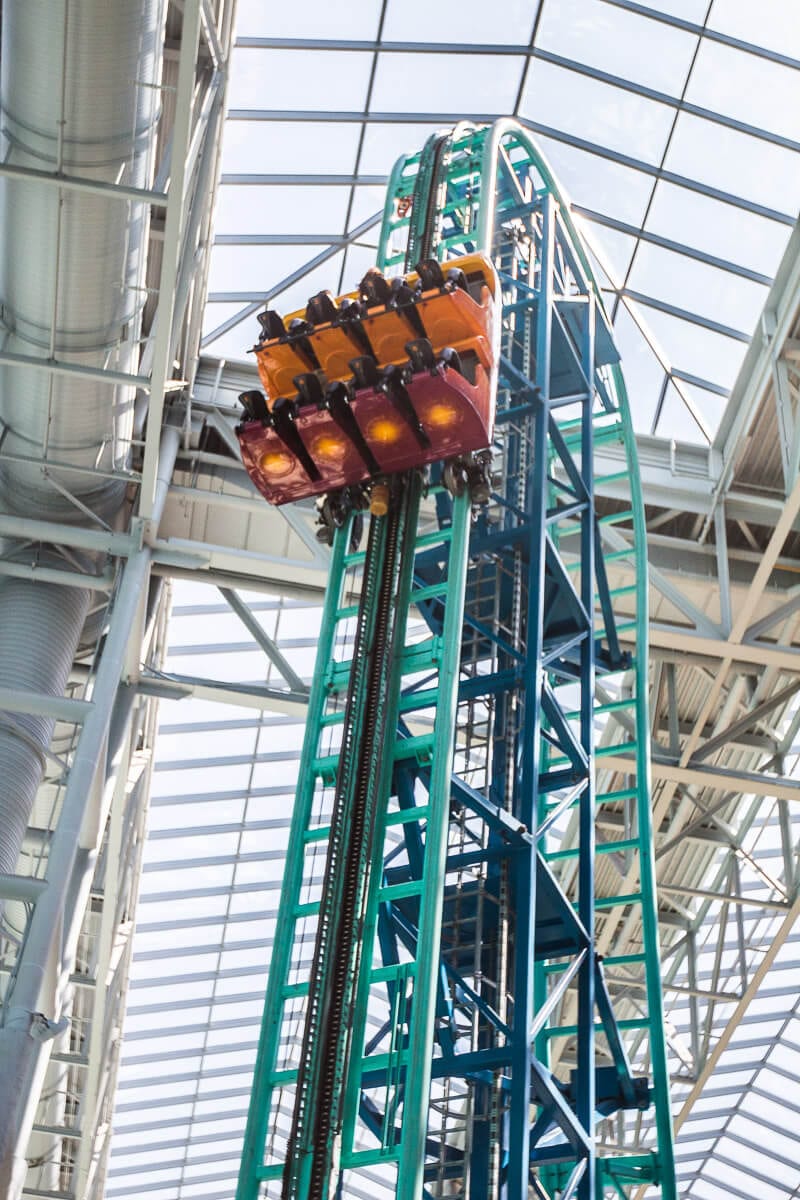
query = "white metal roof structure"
{"x": 674, "y": 126}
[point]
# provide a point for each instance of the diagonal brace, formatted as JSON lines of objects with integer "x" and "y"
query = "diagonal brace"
{"x": 264, "y": 640}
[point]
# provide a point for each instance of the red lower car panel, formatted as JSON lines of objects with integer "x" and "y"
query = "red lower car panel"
{"x": 455, "y": 416}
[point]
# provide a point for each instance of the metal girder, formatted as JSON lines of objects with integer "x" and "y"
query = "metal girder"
{"x": 177, "y": 687}
{"x": 728, "y": 896}
{"x": 755, "y": 377}
{"x": 34, "y": 703}
{"x": 211, "y": 33}
{"x": 328, "y": 179}
{"x": 49, "y": 948}
{"x": 266, "y": 643}
{"x": 172, "y": 258}
{"x": 744, "y": 723}
{"x": 77, "y": 183}
{"x": 743, "y": 655}
{"x": 684, "y": 477}
{"x": 56, "y": 366}
{"x": 20, "y": 887}
{"x": 785, "y": 928}
{"x": 702, "y": 623}
{"x": 746, "y": 782}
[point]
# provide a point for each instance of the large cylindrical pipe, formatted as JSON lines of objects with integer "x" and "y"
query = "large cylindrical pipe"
{"x": 79, "y": 95}
{"x": 80, "y": 98}
{"x": 38, "y": 663}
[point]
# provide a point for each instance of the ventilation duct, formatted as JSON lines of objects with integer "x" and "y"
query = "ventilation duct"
{"x": 79, "y": 97}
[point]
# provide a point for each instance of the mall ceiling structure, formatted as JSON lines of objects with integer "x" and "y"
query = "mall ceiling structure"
{"x": 674, "y": 127}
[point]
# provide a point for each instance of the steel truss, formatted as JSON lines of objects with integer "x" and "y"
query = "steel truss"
{"x": 65, "y": 946}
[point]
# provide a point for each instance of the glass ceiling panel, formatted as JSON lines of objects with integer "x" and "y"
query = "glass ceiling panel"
{"x": 384, "y": 143}
{"x": 673, "y": 419}
{"x": 452, "y": 83}
{"x": 610, "y": 116}
{"x": 735, "y": 162}
{"x": 366, "y": 201}
{"x": 644, "y": 377}
{"x": 709, "y": 405}
{"x": 618, "y": 250}
{"x": 618, "y": 42}
{"x": 687, "y": 10}
{"x": 697, "y": 351}
{"x": 289, "y": 147}
{"x": 473, "y": 21}
{"x": 774, "y": 24}
{"x": 598, "y": 183}
{"x": 279, "y": 209}
{"x": 753, "y": 90}
{"x": 312, "y": 18}
{"x": 717, "y": 229}
{"x": 327, "y": 80}
{"x": 242, "y": 269}
{"x": 682, "y": 282}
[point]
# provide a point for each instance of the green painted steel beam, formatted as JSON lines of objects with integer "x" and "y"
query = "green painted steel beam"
{"x": 464, "y": 186}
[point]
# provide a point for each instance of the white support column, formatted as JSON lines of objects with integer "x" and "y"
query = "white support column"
{"x": 47, "y": 957}
{"x": 171, "y": 260}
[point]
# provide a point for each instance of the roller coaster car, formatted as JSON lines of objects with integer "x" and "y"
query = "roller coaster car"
{"x": 397, "y": 375}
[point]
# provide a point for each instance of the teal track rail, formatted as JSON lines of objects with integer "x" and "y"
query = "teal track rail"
{"x": 487, "y": 1050}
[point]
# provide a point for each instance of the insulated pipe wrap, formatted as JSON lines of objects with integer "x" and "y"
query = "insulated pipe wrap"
{"x": 80, "y": 98}
{"x": 79, "y": 93}
{"x": 39, "y": 636}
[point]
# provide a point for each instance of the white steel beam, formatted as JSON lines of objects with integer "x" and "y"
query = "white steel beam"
{"x": 46, "y": 959}
{"x": 755, "y": 376}
{"x": 177, "y": 215}
{"x": 771, "y": 952}
{"x": 745, "y": 782}
{"x": 178, "y": 687}
{"x": 77, "y": 183}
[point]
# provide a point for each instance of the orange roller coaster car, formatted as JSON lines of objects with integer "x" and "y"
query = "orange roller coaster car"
{"x": 394, "y": 376}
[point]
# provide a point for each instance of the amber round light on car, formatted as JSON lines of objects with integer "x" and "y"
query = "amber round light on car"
{"x": 328, "y": 446}
{"x": 276, "y": 463}
{"x": 384, "y": 430}
{"x": 441, "y": 414}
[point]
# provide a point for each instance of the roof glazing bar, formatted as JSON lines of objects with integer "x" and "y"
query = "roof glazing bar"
{"x": 664, "y": 243}
{"x": 326, "y": 180}
{"x": 549, "y": 131}
{"x": 518, "y": 51}
{"x": 289, "y": 280}
{"x": 682, "y": 314}
{"x": 711, "y": 35}
{"x": 666, "y": 99}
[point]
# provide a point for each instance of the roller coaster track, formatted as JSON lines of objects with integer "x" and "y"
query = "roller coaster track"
{"x": 452, "y": 1032}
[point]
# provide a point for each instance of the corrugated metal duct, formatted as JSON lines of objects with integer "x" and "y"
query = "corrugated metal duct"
{"x": 79, "y": 96}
